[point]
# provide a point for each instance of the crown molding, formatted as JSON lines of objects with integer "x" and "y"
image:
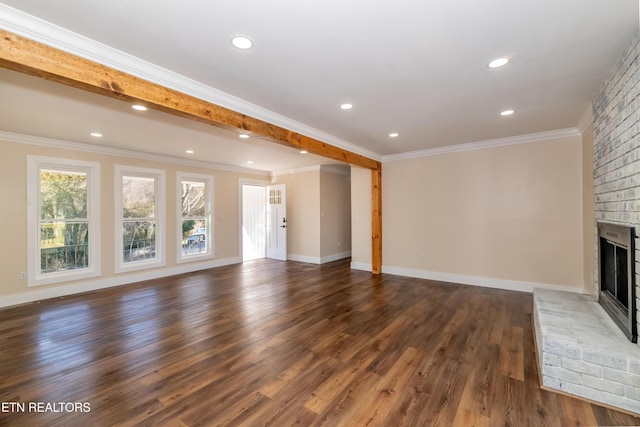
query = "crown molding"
{"x": 586, "y": 120}
{"x": 336, "y": 169}
{"x": 28, "y": 26}
{"x": 479, "y": 145}
{"x": 119, "y": 152}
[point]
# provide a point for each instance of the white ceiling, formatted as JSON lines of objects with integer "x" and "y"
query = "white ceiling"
{"x": 414, "y": 67}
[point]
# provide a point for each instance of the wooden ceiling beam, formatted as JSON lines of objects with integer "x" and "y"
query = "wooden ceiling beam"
{"x": 28, "y": 56}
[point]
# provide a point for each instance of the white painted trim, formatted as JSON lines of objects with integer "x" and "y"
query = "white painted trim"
{"x": 486, "y": 282}
{"x": 42, "y": 293}
{"x": 304, "y": 258}
{"x": 23, "y": 24}
{"x": 361, "y": 266}
{"x": 119, "y": 152}
{"x": 159, "y": 177}
{"x": 319, "y": 260}
{"x": 34, "y": 165}
{"x": 479, "y": 145}
{"x": 336, "y": 169}
{"x": 208, "y": 181}
{"x": 335, "y": 257}
{"x": 297, "y": 170}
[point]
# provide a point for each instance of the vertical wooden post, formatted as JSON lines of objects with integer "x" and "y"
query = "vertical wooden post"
{"x": 376, "y": 220}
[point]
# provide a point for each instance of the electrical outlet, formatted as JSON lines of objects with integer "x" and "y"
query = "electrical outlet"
{"x": 421, "y": 258}
{"x": 23, "y": 275}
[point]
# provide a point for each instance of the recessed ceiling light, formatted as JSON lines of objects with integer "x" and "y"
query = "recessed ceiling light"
{"x": 499, "y": 62}
{"x": 139, "y": 107}
{"x": 393, "y": 135}
{"x": 250, "y": 162}
{"x": 189, "y": 151}
{"x": 303, "y": 151}
{"x": 242, "y": 42}
{"x": 346, "y": 106}
{"x": 243, "y": 136}
{"x": 507, "y": 113}
{"x": 96, "y": 134}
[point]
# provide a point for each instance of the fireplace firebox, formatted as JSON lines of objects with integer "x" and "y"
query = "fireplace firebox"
{"x": 617, "y": 276}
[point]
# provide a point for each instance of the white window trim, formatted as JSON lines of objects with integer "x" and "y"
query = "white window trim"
{"x": 92, "y": 169}
{"x": 160, "y": 211}
{"x": 208, "y": 182}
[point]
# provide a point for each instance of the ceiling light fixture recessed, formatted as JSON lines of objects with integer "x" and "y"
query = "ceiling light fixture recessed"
{"x": 507, "y": 113}
{"x": 189, "y": 151}
{"x": 393, "y": 135}
{"x": 498, "y": 62}
{"x": 303, "y": 151}
{"x": 139, "y": 107}
{"x": 96, "y": 134}
{"x": 243, "y": 136}
{"x": 346, "y": 106}
{"x": 242, "y": 42}
{"x": 250, "y": 162}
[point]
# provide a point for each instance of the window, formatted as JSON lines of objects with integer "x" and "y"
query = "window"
{"x": 63, "y": 208}
{"x": 195, "y": 207}
{"x": 140, "y": 218}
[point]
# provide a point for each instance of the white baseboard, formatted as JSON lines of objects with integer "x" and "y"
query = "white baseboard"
{"x": 46, "y": 292}
{"x": 486, "y": 282}
{"x": 319, "y": 260}
{"x": 361, "y": 266}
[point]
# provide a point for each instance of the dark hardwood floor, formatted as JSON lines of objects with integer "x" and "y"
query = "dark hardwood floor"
{"x": 281, "y": 344}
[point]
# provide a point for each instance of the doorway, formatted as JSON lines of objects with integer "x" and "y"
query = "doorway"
{"x": 264, "y": 222}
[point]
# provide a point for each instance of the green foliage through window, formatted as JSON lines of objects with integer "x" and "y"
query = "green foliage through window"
{"x": 64, "y": 224}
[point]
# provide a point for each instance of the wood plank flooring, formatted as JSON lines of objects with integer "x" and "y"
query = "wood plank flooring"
{"x": 281, "y": 344}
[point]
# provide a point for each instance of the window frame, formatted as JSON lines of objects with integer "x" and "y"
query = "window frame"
{"x": 35, "y": 164}
{"x": 208, "y": 181}
{"x": 158, "y": 175}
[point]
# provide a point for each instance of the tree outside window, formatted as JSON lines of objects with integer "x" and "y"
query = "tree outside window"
{"x": 195, "y": 199}
{"x": 140, "y": 218}
{"x": 63, "y": 213}
{"x": 64, "y": 225}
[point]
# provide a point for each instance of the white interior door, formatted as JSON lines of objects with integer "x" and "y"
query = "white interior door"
{"x": 276, "y": 222}
{"x": 254, "y": 221}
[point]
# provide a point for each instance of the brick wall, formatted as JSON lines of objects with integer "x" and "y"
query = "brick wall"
{"x": 616, "y": 134}
{"x": 581, "y": 351}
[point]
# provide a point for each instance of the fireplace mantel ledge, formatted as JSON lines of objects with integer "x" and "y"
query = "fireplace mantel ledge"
{"x": 582, "y": 352}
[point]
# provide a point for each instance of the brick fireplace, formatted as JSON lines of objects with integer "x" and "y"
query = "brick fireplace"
{"x": 582, "y": 349}
{"x": 616, "y": 275}
{"x": 616, "y": 169}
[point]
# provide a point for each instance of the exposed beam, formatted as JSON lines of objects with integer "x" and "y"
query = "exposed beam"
{"x": 376, "y": 221}
{"x": 31, "y": 57}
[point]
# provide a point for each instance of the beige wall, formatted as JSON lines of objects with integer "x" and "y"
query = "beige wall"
{"x": 318, "y": 213}
{"x": 13, "y": 226}
{"x": 303, "y": 213}
{"x": 361, "y": 218}
{"x": 511, "y": 213}
{"x": 335, "y": 213}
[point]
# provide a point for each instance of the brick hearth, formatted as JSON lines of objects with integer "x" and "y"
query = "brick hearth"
{"x": 582, "y": 352}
